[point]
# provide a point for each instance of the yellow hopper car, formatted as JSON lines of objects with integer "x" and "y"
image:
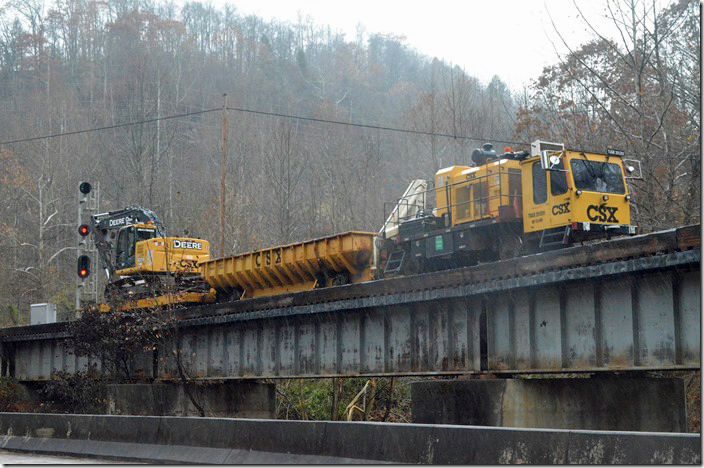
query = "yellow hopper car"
{"x": 329, "y": 261}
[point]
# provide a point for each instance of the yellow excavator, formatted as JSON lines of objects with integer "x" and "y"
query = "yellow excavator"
{"x": 144, "y": 267}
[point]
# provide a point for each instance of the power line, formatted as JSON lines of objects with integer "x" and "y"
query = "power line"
{"x": 270, "y": 114}
{"x": 108, "y": 127}
{"x": 374, "y": 127}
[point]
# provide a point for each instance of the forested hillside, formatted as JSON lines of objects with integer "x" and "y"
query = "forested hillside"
{"x": 73, "y": 65}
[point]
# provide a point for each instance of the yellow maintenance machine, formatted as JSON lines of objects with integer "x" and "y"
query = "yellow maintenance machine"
{"x": 507, "y": 205}
{"x": 500, "y": 207}
{"x": 144, "y": 267}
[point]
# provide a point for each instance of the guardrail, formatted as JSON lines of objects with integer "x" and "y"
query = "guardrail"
{"x": 230, "y": 441}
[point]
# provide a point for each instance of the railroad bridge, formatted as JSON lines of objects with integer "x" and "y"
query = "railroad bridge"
{"x": 629, "y": 304}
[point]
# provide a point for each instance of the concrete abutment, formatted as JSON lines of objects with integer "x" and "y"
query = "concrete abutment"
{"x": 232, "y": 399}
{"x": 599, "y": 403}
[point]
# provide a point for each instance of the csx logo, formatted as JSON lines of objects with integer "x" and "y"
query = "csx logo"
{"x": 267, "y": 258}
{"x": 602, "y": 213}
{"x": 561, "y": 209}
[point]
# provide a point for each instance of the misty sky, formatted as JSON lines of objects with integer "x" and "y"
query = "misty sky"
{"x": 509, "y": 38}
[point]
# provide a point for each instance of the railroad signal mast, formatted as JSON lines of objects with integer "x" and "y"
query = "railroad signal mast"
{"x": 86, "y": 281}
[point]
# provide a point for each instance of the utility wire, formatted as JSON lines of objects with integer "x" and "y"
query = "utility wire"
{"x": 109, "y": 127}
{"x": 374, "y": 127}
{"x": 270, "y": 114}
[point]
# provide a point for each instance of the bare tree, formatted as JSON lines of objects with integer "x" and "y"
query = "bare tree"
{"x": 624, "y": 92}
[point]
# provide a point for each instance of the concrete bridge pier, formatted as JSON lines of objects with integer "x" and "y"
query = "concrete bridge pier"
{"x": 598, "y": 403}
{"x": 225, "y": 399}
{"x": 231, "y": 399}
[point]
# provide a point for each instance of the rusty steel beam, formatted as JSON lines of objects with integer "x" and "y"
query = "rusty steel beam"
{"x": 552, "y": 312}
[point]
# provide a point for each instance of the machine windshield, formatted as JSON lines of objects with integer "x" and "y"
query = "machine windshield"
{"x": 595, "y": 176}
{"x": 145, "y": 234}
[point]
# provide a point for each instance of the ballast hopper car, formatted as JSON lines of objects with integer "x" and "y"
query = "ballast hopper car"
{"x": 328, "y": 261}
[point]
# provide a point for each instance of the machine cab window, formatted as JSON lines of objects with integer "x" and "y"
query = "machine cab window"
{"x": 540, "y": 184}
{"x": 558, "y": 179}
{"x": 126, "y": 244}
{"x": 595, "y": 176}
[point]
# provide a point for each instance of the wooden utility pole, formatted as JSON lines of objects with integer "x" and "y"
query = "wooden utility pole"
{"x": 223, "y": 173}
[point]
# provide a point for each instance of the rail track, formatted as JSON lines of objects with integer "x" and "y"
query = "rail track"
{"x": 650, "y": 248}
{"x": 664, "y": 249}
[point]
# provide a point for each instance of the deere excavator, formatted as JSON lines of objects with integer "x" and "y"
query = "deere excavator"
{"x": 145, "y": 268}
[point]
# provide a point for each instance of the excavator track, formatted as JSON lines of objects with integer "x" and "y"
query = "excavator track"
{"x": 156, "y": 291}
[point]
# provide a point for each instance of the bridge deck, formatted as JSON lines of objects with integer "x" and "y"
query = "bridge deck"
{"x": 628, "y": 304}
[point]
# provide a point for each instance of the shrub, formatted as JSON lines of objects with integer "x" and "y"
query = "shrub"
{"x": 80, "y": 393}
{"x": 12, "y": 398}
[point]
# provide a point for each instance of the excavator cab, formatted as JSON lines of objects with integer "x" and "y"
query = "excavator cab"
{"x": 126, "y": 245}
{"x": 140, "y": 250}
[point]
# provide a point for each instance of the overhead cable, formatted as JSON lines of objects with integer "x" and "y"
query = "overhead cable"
{"x": 270, "y": 114}
{"x": 107, "y": 127}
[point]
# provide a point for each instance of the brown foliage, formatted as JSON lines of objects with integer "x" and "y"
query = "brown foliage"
{"x": 631, "y": 95}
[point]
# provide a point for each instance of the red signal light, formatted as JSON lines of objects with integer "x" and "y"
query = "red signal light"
{"x": 83, "y": 230}
{"x": 83, "y": 269}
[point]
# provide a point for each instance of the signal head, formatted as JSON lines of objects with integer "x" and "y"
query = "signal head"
{"x": 85, "y": 188}
{"x": 83, "y": 265}
{"x": 83, "y": 230}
